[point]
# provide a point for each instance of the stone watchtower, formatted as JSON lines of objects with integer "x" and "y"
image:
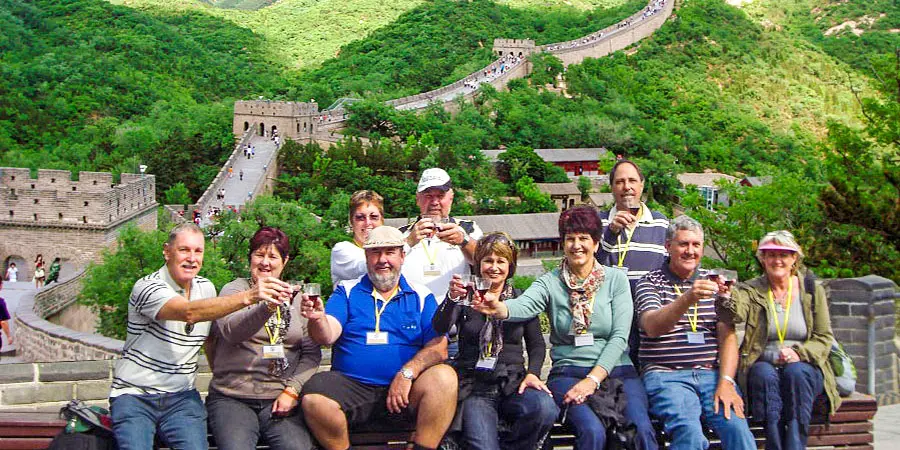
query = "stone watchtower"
{"x": 516, "y": 47}
{"x": 73, "y": 220}
{"x": 295, "y": 120}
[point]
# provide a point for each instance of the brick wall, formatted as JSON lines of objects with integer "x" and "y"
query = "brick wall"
{"x": 860, "y": 307}
{"x": 40, "y": 340}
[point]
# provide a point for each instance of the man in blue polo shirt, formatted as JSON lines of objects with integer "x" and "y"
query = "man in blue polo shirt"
{"x": 386, "y": 358}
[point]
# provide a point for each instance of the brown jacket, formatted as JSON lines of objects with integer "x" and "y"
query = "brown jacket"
{"x": 748, "y": 304}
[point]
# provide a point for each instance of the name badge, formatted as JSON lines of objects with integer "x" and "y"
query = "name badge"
{"x": 584, "y": 339}
{"x": 486, "y": 363}
{"x": 695, "y": 337}
{"x": 376, "y": 338}
{"x": 273, "y": 351}
{"x": 431, "y": 270}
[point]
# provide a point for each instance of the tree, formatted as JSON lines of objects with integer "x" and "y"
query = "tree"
{"x": 107, "y": 283}
{"x": 660, "y": 182}
{"x": 177, "y": 195}
{"x": 545, "y": 68}
{"x": 584, "y": 186}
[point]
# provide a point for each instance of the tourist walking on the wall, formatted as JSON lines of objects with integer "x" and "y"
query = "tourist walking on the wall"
{"x": 230, "y": 171}
{"x": 4, "y": 319}
{"x": 169, "y": 314}
{"x": 54, "y": 271}
{"x": 241, "y": 175}
{"x": 39, "y": 274}
{"x": 12, "y": 273}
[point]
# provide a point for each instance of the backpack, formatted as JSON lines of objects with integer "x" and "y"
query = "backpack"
{"x": 841, "y": 363}
{"x": 87, "y": 428}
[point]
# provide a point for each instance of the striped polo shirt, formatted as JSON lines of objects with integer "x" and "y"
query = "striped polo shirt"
{"x": 159, "y": 356}
{"x": 672, "y": 351}
{"x": 645, "y": 251}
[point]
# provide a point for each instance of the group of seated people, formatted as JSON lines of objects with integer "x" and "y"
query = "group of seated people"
{"x": 418, "y": 342}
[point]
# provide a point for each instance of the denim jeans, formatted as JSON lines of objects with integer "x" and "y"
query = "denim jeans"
{"x": 179, "y": 418}
{"x": 238, "y": 424}
{"x": 681, "y": 399}
{"x": 782, "y": 398}
{"x": 589, "y": 431}
{"x": 530, "y": 416}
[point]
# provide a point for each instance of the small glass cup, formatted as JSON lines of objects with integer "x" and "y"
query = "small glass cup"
{"x": 634, "y": 205}
{"x": 434, "y": 220}
{"x": 296, "y": 288}
{"x": 313, "y": 291}
{"x": 466, "y": 300}
{"x": 482, "y": 285}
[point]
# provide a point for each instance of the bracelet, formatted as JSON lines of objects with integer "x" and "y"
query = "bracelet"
{"x": 729, "y": 379}
{"x": 594, "y": 379}
{"x": 290, "y": 393}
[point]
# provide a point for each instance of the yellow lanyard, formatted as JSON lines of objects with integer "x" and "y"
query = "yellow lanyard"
{"x": 378, "y": 312}
{"x": 691, "y": 320}
{"x": 432, "y": 257}
{"x": 627, "y": 244}
{"x": 787, "y": 312}
{"x": 274, "y": 334}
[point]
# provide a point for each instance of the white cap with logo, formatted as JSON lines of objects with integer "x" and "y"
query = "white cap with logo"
{"x": 432, "y": 178}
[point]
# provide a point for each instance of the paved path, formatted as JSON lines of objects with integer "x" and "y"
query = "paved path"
{"x": 254, "y": 169}
{"x": 887, "y": 428}
{"x": 12, "y": 293}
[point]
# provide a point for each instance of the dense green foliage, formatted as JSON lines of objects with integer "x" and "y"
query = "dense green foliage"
{"x": 85, "y": 85}
{"x": 107, "y": 284}
{"x": 439, "y": 43}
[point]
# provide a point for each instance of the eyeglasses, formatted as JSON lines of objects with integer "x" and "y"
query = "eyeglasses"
{"x": 497, "y": 237}
{"x": 363, "y": 217}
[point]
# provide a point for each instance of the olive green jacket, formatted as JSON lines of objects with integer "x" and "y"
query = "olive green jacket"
{"x": 748, "y": 305}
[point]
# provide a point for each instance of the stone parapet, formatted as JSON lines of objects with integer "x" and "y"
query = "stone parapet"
{"x": 40, "y": 340}
{"x": 863, "y": 320}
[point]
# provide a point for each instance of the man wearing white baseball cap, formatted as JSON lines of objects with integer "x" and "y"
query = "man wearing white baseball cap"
{"x": 439, "y": 245}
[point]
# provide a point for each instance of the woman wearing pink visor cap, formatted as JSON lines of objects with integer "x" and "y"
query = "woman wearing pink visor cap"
{"x": 784, "y": 361}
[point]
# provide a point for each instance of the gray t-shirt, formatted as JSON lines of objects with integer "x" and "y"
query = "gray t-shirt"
{"x": 796, "y": 328}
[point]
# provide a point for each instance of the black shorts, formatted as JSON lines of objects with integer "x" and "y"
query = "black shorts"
{"x": 362, "y": 403}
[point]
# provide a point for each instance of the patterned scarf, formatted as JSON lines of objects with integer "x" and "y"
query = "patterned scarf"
{"x": 277, "y": 367}
{"x": 581, "y": 295}
{"x": 491, "y": 335}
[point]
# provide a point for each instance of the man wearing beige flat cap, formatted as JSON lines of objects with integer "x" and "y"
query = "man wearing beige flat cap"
{"x": 386, "y": 357}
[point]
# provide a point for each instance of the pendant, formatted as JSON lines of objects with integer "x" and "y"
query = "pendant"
{"x": 778, "y": 308}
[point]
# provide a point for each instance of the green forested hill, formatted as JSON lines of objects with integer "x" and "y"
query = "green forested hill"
{"x": 304, "y": 33}
{"x": 767, "y": 88}
{"x": 85, "y": 85}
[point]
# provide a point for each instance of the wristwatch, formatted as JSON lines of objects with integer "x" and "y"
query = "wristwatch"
{"x": 729, "y": 379}
{"x": 407, "y": 373}
{"x": 465, "y": 240}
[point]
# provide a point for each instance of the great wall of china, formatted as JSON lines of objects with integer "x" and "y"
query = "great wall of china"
{"x": 40, "y": 339}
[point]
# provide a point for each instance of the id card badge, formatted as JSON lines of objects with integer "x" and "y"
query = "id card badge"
{"x": 273, "y": 351}
{"x": 584, "y": 339}
{"x": 431, "y": 270}
{"x": 695, "y": 337}
{"x": 376, "y": 338}
{"x": 486, "y": 363}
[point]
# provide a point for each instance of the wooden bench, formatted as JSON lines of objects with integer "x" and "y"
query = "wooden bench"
{"x": 849, "y": 429}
